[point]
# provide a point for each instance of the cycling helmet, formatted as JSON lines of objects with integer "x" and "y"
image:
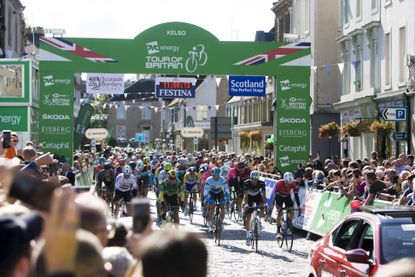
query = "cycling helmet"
{"x": 167, "y": 166}
{"x": 240, "y": 165}
{"x": 182, "y": 161}
{"x": 127, "y": 170}
{"x": 169, "y": 159}
{"x": 146, "y": 160}
{"x": 140, "y": 164}
{"x": 192, "y": 169}
{"x": 215, "y": 171}
{"x": 102, "y": 160}
{"x": 121, "y": 162}
{"x": 172, "y": 174}
{"x": 132, "y": 164}
{"x": 254, "y": 175}
{"x": 288, "y": 177}
{"x": 204, "y": 167}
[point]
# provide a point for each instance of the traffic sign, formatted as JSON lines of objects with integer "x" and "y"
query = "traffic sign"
{"x": 399, "y": 136}
{"x": 394, "y": 114}
{"x": 192, "y": 132}
{"x": 96, "y": 133}
{"x": 140, "y": 137}
{"x": 195, "y": 141}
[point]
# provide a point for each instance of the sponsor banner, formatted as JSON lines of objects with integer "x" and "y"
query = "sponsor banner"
{"x": 167, "y": 87}
{"x": 292, "y": 123}
{"x": 247, "y": 86}
{"x": 14, "y": 119}
{"x": 270, "y": 185}
{"x": 56, "y": 100}
{"x": 104, "y": 83}
{"x": 84, "y": 118}
{"x": 52, "y": 80}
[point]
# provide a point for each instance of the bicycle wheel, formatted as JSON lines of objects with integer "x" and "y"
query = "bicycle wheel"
{"x": 218, "y": 230}
{"x": 190, "y": 212}
{"x": 289, "y": 236}
{"x": 281, "y": 239}
{"x": 255, "y": 237}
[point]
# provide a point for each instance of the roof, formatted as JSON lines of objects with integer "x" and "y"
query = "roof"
{"x": 390, "y": 210}
{"x": 142, "y": 90}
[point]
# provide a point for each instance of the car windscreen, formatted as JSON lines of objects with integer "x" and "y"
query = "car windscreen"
{"x": 397, "y": 241}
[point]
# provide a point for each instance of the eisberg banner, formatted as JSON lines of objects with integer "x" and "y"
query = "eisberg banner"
{"x": 99, "y": 83}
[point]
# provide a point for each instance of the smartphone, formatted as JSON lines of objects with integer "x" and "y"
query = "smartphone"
{"x": 141, "y": 214}
{"x": 32, "y": 191}
{"x": 53, "y": 168}
{"x": 7, "y": 136}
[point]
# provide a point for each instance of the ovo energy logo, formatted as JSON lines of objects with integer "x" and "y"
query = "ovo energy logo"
{"x": 287, "y": 85}
{"x": 152, "y": 47}
{"x": 50, "y": 81}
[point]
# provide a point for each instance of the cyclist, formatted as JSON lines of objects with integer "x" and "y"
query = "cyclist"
{"x": 106, "y": 176}
{"x": 216, "y": 189}
{"x": 125, "y": 188}
{"x": 145, "y": 176}
{"x": 181, "y": 167}
{"x": 191, "y": 181}
{"x": 235, "y": 178}
{"x": 282, "y": 196}
{"x": 254, "y": 192}
{"x": 171, "y": 190}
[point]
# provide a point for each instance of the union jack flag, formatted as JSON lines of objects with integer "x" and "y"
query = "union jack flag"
{"x": 76, "y": 49}
{"x": 275, "y": 53}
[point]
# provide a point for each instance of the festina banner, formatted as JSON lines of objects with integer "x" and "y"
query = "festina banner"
{"x": 167, "y": 87}
{"x": 292, "y": 121}
{"x": 98, "y": 83}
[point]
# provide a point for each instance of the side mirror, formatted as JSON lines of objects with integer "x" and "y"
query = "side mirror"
{"x": 358, "y": 256}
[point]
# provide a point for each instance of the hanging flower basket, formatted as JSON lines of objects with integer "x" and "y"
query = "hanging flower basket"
{"x": 328, "y": 130}
{"x": 254, "y": 135}
{"x": 364, "y": 125}
{"x": 243, "y": 134}
{"x": 382, "y": 127}
{"x": 351, "y": 129}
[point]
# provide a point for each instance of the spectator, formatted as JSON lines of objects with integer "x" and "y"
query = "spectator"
{"x": 375, "y": 187}
{"x": 93, "y": 217}
{"x": 119, "y": 259}
{"x": 16, "y": 235}
{"x": 88, "y": 258}
{"x": 29, "y": 154}
{"x": 180, "y": 254}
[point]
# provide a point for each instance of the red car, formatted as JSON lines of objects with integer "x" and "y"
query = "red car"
{"x": 364, "y": 241}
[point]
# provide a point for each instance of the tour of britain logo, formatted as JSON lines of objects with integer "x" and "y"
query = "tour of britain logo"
{"x": 50, "y": 81}
{"x": 196, "y": 57}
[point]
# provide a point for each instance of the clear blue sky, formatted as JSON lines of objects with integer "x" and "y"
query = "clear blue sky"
{"x": 235, "y": 20}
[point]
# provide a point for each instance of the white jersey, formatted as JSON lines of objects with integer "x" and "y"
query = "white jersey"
{"x": 125, "y": 184}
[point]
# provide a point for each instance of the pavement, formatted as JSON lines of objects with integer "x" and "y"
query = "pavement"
{"x": 234, "y": 258}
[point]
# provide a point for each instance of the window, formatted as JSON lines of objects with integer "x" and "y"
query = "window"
{"x": 306, "y": 16}
{"x": 345, "y": 12}
{"x": 121, "y": 132}
{"x": 121, "y": 114}
{"x": 366, "y": 240}
{"x": 374, "y": 4}
{"x": 387, "y": 59}
{"x": 402, "y": 54}
{"x": 202, "y": 112}
{"x": 344, "y": 237}
{"x": 146, "y": 112}
{"x": 358, "y": 8}
{"x": 11, "y": 80}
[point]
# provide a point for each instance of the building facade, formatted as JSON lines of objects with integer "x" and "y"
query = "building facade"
{"x": 315, "y": 21}
{"x": 376, "y": 38}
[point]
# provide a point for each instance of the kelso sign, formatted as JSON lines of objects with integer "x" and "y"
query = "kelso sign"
{"x": 171, "y": 49}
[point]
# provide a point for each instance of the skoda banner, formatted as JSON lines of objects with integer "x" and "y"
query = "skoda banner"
{"x": 84, "y": 118}
{"x": 292, "y": 124}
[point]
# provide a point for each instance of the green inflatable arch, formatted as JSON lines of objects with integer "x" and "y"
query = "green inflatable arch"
{"x": 178, "y": 48}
